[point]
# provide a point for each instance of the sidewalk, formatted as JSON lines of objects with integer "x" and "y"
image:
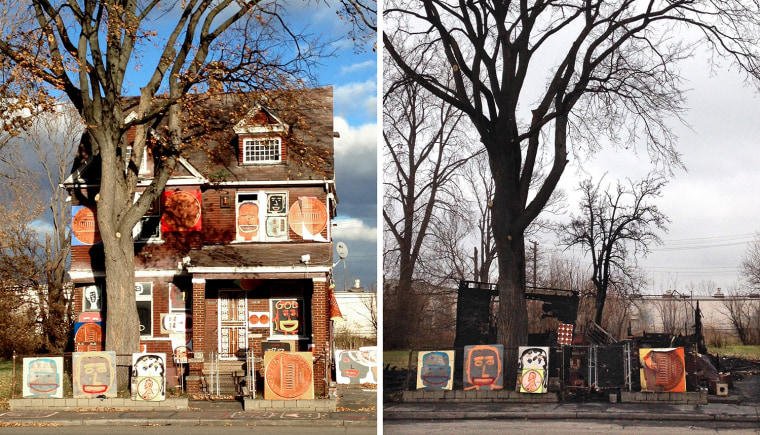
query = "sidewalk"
{"x": 725, "y": 412}
{"x": 356, "y": 407}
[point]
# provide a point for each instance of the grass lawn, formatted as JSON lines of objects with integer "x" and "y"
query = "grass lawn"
{"x": 738, "y": 351}
{"x": 398, "y": 358}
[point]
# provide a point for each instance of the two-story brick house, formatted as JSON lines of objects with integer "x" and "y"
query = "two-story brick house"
{"x": 237, "y": 254}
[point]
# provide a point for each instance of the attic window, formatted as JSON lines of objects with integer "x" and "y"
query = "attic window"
{"x": 262, "y": 150}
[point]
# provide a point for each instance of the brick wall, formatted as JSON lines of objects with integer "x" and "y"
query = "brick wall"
{"x": 320, "y": 326}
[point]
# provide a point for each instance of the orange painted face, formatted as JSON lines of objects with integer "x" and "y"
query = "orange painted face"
{"x": 248, "y": 221}
{"x": 287, "y": 317}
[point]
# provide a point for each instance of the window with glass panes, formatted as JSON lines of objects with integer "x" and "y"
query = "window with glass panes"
{"x": 261, "y": 150}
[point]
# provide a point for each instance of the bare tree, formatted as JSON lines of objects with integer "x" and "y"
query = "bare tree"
{"x": 750, "y": 266}
{"x": 53, "y": 137}
{"x": 87, "y": 51}
{"x": 610, "y": 225}
{"x": 611, "y": 75}
{"x": 370, "y": 303}
{"x": 423, "y": 151}
{"x": 742, "y": 312}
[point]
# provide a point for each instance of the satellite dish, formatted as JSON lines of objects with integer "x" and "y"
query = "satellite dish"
{"x": 342, "y": 250}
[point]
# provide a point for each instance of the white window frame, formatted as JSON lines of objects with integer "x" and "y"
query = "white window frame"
{"x": 265, "y": 149}
{"x": 262, "y": 200}
{"x": 146, "y": 298}
{"x": 137, "y": 230}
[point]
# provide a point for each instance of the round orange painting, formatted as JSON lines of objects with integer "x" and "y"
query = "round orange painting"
{"x": 308, "y": 215}
{"x": 84, "y": 226}
{"x": 288, "y": 375}
{"x": 182, "y": 211}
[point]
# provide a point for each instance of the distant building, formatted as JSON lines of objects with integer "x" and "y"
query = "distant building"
{"x": 673, "y": 313}
{"x": 359, "y": 308}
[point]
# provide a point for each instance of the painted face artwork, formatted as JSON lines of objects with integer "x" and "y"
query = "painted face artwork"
{"x": 92, "y": 298}
{"x": 94, "y": 374}
{"x": 435, "y": 371}
{"x": 534, "y": 367}
{"x": 248, "y": 221}
{"x": 174, "y": 322}
{"x": 534, "y": 358}
{"x": 483, "y": 367}
{"x": 287, "y": 317}
{"x": 356, "y": 366}
{"x": 149, "y": 376}
{"x": 43, "y": 377}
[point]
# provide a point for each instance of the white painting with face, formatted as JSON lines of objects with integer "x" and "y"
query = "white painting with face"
{"x": 149, "y": 376}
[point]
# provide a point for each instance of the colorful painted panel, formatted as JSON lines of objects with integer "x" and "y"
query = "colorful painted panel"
{"x": 43, "y": 377}
{"x": 288, "y": 376}
{"x": 258, "y": 319}
{"x": 435, "y": 370}
{"x": 149, "y": 376}
{"x": 287, "y": 317}
{"x": 88, "y": 337}
{"x": 662, "y": 370}
{"x": 94, "y": 374}
{"x": 533, "y": 369}
{"x": 308, "y": 217}
{"x": 565, "y": 334}
{"x": 182, "y": 211}
{"x": 84, "y": 226}
{"x": 483, "y": 368}
{"x": 356, "y": 366}
{"x": 248, "y": 221}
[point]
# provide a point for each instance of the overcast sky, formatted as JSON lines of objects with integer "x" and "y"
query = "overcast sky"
{"x": 713, "y": 206}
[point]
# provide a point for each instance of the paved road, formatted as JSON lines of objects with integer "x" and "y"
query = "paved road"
{"x": 563, "y": 427}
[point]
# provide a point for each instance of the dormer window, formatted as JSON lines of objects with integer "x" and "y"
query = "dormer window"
{"x": 260, "y": 135}
{"x": 262, "y": 150}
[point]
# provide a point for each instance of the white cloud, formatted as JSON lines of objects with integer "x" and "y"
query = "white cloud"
{"x": 357, "y": 97}
{"x": 357, "y": 66}
{"x": 354, "y": 229}
{"x": 353, "y": 139}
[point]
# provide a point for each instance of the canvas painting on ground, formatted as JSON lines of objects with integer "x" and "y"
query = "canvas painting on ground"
{"x": 93, "y": 374}
{"x": 288, "y": 376}
{"x": 662, "y": 370}
{"x": 435, "y": 370}
{"x": 149, "y": 376}
{"x": 43, "y": 377}
{"x": 356, "y": 366}
{"x": 533, "y": 367}
{"x": 483, "y": 368}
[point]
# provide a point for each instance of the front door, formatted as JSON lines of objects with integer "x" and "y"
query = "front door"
{"x": 233, "y": 327}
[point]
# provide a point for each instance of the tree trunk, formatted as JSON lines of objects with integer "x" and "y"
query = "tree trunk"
{"x": 601, "y": 297}
{"x": 512, "y": 322}
{"x": 122, "y": 322}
